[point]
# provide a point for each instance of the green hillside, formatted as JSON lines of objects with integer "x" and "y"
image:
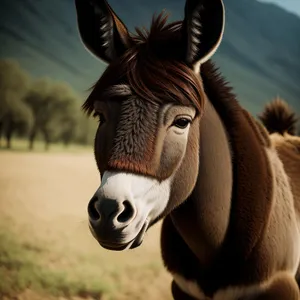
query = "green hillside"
{"x": 259, "y": 54}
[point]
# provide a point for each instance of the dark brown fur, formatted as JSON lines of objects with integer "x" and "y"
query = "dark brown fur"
{"x": 279, "y": 117}
{"x": 238, "y": 127}
{"x": 252, "y": 196}
{"x": 155, "y": 70}
{"x": 152, "y": 69}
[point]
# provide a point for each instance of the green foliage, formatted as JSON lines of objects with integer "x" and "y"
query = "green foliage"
{"x": 15, "y": 115}
{"x": 21, "y": 117}
{"x": 260, "y": 58}
{"x": 14, "y": 83}
{"x": 41, "y": 107}
{"x": 55, "y": 111}
{"x": 86, "y": 131}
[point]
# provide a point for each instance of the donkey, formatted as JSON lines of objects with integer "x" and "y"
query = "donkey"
{"x": 281, "y": 122}
{"x": 174, "y": 144}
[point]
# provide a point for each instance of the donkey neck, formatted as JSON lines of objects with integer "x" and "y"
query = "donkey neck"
{"x": 203, "y": 219}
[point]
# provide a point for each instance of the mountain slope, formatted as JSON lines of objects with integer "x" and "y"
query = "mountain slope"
{"x": 259, "y": 54}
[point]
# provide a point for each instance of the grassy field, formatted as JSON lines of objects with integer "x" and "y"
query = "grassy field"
{"x": 46, "y": 249}
{"x": 21, "y": 145}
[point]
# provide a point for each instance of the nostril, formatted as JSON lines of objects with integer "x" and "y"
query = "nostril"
{"x": 93, "y": 213}
{"x": 127, "y": 212}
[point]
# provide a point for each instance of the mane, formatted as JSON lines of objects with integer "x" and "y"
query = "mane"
{"x": 153, "y": 68}
{"x": 278, "y": 117}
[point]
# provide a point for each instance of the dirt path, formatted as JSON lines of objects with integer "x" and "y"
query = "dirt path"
{"x": 43, "y": 199}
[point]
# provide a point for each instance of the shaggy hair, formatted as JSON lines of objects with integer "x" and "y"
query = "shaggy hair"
{"x": 279, "y": 117}
{"x": 153, "y": 68}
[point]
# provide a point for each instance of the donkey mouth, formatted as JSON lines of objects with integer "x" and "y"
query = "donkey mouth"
{"x": 134, "y": 243}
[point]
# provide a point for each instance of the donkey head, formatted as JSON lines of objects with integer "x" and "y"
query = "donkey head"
{"x": 149, "y": 102}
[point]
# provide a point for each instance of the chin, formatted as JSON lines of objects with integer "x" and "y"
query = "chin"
{"x": 121, "y": 247}
{"x": 117, "y": 244}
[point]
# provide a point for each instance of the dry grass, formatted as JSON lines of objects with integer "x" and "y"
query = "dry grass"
{"x": 46, "y": 250}
{"x": 21, "y": 145}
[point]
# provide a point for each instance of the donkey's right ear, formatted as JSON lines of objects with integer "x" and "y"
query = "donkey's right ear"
{"x": 101, "y": 31}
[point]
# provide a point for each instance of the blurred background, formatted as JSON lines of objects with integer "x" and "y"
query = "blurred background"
{"x": 47, "y": 169}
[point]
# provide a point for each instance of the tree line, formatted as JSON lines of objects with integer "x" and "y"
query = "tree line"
{"x": 40, "y": 108}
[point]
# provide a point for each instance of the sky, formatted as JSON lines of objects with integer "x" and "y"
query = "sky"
{"x": 290, "y": 5}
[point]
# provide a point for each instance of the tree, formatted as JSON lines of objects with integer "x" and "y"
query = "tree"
{"x": 65, "y": 119}
{"x": 86, "y": 130}
{"x": 15, "y": 116}
{"x": 36, "y": 100}
{"x": 69, "y": 119}
{"x": 17, "y": 120}
{"x": 55, "y": 112}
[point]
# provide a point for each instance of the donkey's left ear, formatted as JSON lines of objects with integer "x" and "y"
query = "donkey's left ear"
{"x": 202, "y": 30}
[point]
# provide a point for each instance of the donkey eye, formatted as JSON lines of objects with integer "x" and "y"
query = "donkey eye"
{"x": 99, "y": 116}
{"x": 181, "y": 123}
